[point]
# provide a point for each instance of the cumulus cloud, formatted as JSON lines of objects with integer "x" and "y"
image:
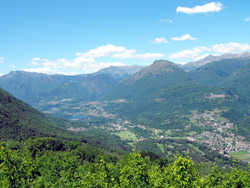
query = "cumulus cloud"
{"x": 133, "y": 55}
{"x": 117, "y": 52}
{"x": 166, "y": 20}
{"x": 180, "y": 62}
{"x": 36, "y": 59}
{"x": 46, "y": 70}
{"x": 247, "y": 19}
{"x": 197, "y": 52}
{"x": 160, "y": 40}
{"x": 184, "y": 37}
{"x": 102, "y": 51}
{"x": 230, "y": 48}
{"x": 89, "y": 61}
{"x": 201, "y": 57}
{"x": 59, "y": 66}
{"x": 1, "y": 59}
{"x": 210, "y": 7}
{"x": 53, "y": 68}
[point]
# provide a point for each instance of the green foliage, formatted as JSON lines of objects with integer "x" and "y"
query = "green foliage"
{"x": 19, "y": 121}
{"x": 182, "y": 173}
{"x": 16, "y": 169}
{"x": 134, "y": 173}
{"x": 77, "y": 165}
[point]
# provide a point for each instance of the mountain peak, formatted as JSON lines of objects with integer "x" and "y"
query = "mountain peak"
{"x": 211, "y": 58}
{"x": 120, "y": 72}
{"x": 157, "y": 68}
{"x": 161, "y": 66}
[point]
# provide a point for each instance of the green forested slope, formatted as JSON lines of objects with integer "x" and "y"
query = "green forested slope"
{"x": 19, "y": 121}
{"x": 239, "y": 81}
{"x": 149, "y": 82}
{"x": 54, "y": 163}
{"x": 36, "y": 88}
{"x": 164, "y": 87}
{"x": 215, "y": 73}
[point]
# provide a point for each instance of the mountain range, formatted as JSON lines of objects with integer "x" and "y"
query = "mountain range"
{"x": 211, "y": 58}
{"x": 144, "y": 104}
{"x": 162, "y": 83}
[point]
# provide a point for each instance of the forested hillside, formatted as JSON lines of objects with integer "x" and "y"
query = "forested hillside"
{"x": 216, "y": 72}
{"x": 49, "y": 162}
{"x": 42, "y": 90}
{"x": 19, "y": 121}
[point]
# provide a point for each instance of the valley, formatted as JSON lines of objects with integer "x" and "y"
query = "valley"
{"x": 208, "y": 127}
{"x": 125, "y": 94}
{"x": 155, "y": 104}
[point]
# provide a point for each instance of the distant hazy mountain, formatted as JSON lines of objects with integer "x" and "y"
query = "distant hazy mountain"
{"x": 120, "y": 72}
{"x": 214, "y": 73}
{"x": 210, "y": 58}
{"x": 35, "y": 88}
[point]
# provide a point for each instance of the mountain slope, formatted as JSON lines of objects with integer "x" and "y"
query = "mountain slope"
{"x": 120, "y": 72}
{"x": 41, "y": 90}
{"x": 149, "y": 81}
{"x": 216, "y": 72}
{"x": 210, "y": 58}
{"x": 19, "y": 121}
{"x": 239, "y": 81}
{"x": 162, "y": 89}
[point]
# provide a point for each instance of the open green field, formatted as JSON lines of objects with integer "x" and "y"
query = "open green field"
{"x": 242, "y": 155}
{"x": 127, "y": 135}
{"x": 191, "y": 133}
{"x": 161, "y": 146}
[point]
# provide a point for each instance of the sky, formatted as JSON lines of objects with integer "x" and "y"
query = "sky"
{"x": 83, "y": 36}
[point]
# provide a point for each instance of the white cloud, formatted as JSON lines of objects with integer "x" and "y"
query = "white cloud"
{"x": 36, "y": 59}
{"x": 181, "y": 62}
{"x": 210, "y": 7}
{"x": 102, "y": 51}
{"x": 166, "y": 20}
{"x": 160, "y": 40}
{"x": 77, "y": 66}
{"x": 201, "y": 57}
{"x": 46, "y": 70}
{"x": 196, "y": 52}
{"x": 63, "y": 63}
{"x": 1, "y": 59}
{"x": 134, "y": 55}
{"x": 230, "y": 48}
{"x": 94, "y": 67}
{"x": 247, "y": 19}
{"x": 117, "y": 52}
{"x": 1, "y": 74}
{"x": 87, "y": 62}
{"x": 184, "y": 37}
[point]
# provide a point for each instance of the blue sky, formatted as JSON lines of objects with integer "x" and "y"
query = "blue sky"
{"x": 83, "y": 36}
